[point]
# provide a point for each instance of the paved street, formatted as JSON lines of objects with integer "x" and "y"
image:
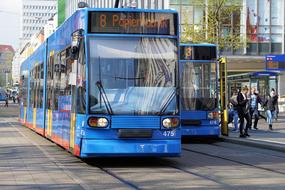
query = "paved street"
{"x": 28, "y": 161}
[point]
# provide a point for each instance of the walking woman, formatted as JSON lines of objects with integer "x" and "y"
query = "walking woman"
{"x": 270, "y": 105}
{"x": 243, "y": 112}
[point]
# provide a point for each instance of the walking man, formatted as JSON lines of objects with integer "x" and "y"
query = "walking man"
{"x": 243, "y": 112}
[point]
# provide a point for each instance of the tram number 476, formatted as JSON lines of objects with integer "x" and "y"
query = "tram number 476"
{"x": 169, "y": 133}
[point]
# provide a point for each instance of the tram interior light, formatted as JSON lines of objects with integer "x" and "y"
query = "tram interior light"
{"x": 170, "y": 123}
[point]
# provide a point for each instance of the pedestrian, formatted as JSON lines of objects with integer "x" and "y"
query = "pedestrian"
{"x": 276, "y": 105}
{"x": 233, "y": 113}
{"x": 270, "y": 106}
{"x": 6, "y": 100}
{"x": 254, "y": 101}
{"x": 243, "y": 112}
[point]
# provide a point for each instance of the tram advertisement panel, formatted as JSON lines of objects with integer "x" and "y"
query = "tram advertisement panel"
{"x": 151, "y": 23}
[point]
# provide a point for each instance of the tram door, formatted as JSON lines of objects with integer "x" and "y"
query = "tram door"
{"x": 72, "y": 84}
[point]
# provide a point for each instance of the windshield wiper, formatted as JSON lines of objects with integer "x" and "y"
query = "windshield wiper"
{"x": 166, "y": 104}
{"x": 105, "y": 98}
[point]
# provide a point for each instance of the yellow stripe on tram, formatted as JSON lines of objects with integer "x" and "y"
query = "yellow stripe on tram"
{"x": 72, "y": 130}
{"x": 35, "y": 118}
{"x": 25, "y": 112}
{"x": 49, "y": 131}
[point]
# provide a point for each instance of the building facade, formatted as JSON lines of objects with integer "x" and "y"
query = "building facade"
{"x": 6, "y": 58}
{"x": 70, "y": 6}
{"x": 16, "y": 68}
{"x": 34, "y": 16}
{"x": 260, "y": 22}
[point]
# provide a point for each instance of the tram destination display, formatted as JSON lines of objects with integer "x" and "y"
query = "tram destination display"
{"x": 275, "y": 62}
{"x": 198, "y": 53}
{"x": 148, "y": 23}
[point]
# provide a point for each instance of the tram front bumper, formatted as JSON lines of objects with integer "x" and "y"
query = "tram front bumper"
{"x": 130, "y": 147}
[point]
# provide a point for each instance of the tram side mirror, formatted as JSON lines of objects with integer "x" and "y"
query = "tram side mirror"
{"x": 74, "y": 50}
{"x": 75, "y": 43}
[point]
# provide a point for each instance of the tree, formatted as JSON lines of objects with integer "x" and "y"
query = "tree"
{"x": 220, "y": 24}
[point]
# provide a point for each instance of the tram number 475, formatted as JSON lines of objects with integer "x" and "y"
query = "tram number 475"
{"x": 169, "y": 133}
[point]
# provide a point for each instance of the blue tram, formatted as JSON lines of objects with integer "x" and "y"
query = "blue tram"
{"x": 105, "y": 84}
{"x": 199, "y": 94}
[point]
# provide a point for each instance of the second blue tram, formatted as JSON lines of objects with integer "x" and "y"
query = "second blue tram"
{"x": 199, "y": 92}
{"x": 105, "y": 84}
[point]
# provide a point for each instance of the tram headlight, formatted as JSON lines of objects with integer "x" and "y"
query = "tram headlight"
{"x": 170, "y": 123}
{"x": 100, "y": 122}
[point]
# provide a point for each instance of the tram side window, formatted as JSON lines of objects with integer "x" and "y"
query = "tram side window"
{"x": 31, "y": 88}
{"x": 56, "y": 83}
{"x": 198, "y": 86}
{"x": 68, "y": 71}
{"x": 24, "y": 89}
{"x": 40, "y": 78}
{"x": 81, "y": 79}
{"x": 50, "y": 66}
{"x": 36, "y": 105}
{"x": 64, "y": 98}
{"x": 35, "y": 86}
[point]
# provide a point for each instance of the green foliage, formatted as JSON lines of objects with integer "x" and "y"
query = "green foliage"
{"x": 61, "y": 11}
{"x": 216, "y": 26}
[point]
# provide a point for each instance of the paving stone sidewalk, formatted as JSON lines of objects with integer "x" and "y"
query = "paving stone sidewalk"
{"x": 263, "y": 137}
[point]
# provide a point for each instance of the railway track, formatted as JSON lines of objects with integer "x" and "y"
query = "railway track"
{"x": 198, "y": 166}
{"x": 234, "y": 160}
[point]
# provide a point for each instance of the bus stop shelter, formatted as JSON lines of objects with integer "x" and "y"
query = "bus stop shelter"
{"x": 262, "y": 81}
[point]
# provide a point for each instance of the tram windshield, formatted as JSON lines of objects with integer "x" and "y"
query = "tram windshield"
{"x": 198, "y": 85}
{"x": 135, "y": 76}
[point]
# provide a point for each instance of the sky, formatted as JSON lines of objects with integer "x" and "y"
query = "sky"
{"x": 10, "y": 15}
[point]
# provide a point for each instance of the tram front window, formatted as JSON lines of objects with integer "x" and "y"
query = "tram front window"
{"x": 198, "y": 85}
{"x": 135, "y": 76}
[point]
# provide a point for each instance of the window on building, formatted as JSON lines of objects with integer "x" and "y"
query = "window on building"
{"x": 264, "y": 23}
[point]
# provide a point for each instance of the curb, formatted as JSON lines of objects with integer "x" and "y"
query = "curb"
{"x": 255, "y": 143}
